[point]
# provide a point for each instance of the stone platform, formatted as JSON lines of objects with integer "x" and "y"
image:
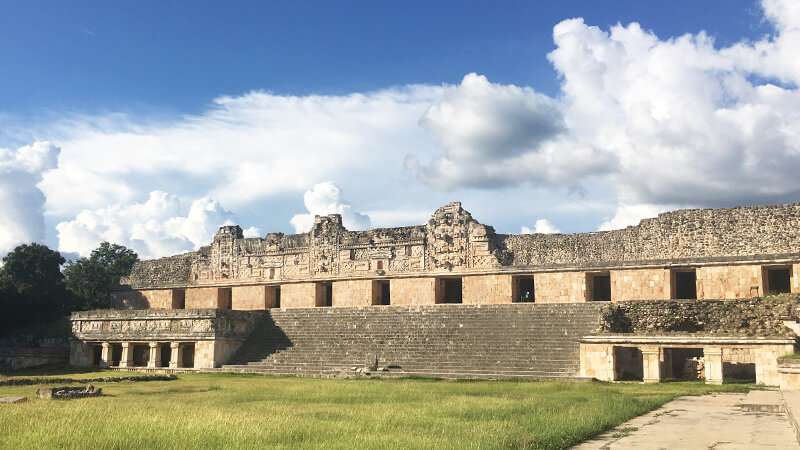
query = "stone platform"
{"x": 448, "y": 341}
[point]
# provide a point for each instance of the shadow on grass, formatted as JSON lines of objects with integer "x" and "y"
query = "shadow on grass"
{"x": 49, "y": 370}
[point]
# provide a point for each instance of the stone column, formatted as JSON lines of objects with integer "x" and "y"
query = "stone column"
{"x": 127, "y": 355}
{"x": 176, "y": 356}
{"x": 105, "y": 356}
{"x": 712, "y": 358}
{"x": 153, "y": 360}
{"x": 651, "y": 364}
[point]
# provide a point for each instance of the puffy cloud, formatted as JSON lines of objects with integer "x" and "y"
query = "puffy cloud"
{"x": 690, "y": 124}
{"x": 251, "y": 232}
{"x": 643, "y": 122}
{"x": 627, "y": 215}
{"x": 500, "y": 135}
{"x": 542, "y": 226}
{"x": 158, "y": 227}
{"x": 675, "y": 121}
{"x": 21, "y": 170}
{"x": 241, "y": 151}
{"x": 326, "y": 198}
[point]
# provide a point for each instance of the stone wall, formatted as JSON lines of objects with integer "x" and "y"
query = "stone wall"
{"x": 147, "y": 298}
{"x": 23, "y": 353}
{"x": 249, "y": 297}
{"x": 685, "y": 235}
{"x": 163, "y": 271}
{"x": 162, "y": 325}
{"x": 747, "y": 317}
{"x": 601, "y": 356}
{"x": 300, "y": 295}
{"x": 452, "y": 242}
{"x": 354, "y": 293}
{"x": 487, "y": 289}
{"x": 640, "y": 284}
{"x": 208, "y": 298}
{"x": 414, "y": 291}
{"x": 729, "y": 282}
{"x": 560, "y": 287}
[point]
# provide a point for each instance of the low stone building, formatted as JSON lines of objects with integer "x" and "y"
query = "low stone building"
{"x": 692, "y": 255}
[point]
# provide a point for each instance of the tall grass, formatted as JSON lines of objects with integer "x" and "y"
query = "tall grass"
{"x": 247, "y": 411}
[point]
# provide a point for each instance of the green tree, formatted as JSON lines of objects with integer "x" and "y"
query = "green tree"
{"x": 89, "y": 279}
{"x": 33, "y": 270}
{"x": 32, "y": 285}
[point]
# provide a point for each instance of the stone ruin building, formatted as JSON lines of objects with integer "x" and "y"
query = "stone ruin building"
{"x": 453, "y": 298}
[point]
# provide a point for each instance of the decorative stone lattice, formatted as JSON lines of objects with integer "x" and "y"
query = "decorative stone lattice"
{"x": 453, "y": 241}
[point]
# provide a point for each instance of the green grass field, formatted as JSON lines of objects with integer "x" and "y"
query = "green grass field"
{"x": 249, "y": 411}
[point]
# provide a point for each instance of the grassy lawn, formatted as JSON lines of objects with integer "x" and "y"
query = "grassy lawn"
{"x": 249, "y": 411}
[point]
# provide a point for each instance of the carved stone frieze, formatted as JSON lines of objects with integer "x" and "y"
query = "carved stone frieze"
{"x": 453, "y": 241}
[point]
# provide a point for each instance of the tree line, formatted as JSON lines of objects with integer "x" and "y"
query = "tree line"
{"x": 37, "y": 286}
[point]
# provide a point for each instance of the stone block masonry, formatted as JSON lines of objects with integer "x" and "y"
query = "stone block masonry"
{"x": 488, "y": 289}
{"x": 452, "y": 242}
{"x": 718, "y": 262}
{"x": 525, "y": 340}
{"x": 748, "y": 317}
{"x": 159, "y": 338}
{"x": 414, "y": 291}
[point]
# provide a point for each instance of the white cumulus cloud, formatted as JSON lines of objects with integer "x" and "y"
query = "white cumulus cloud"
{"x": 160, "y": 226}
{"x": 689, "y": 123}
{"x": 326, "y": 198}
{"x": 21, "y": 170}
{"x": 640, "y": 121}
{"x": 542, "y": 226}
{"x": 627, "y": 215}
{"x": 497, "y": 135}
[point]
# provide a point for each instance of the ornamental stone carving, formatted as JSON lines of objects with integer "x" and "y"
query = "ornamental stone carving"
{"x": 452, "y": 241}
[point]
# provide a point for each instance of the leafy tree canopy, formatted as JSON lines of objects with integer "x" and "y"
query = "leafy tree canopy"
{"x": 32, "y": 286}
{"x": 89, "y": 278}
{"x": 33, "y": 270}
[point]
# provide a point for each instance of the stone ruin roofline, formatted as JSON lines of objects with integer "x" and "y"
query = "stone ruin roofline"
{"x": 453, "y": 242}
{"x": 642, "y": 222}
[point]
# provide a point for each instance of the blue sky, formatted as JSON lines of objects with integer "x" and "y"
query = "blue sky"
{"x": 152, "y": 123}
{"x": 178, "y": 56}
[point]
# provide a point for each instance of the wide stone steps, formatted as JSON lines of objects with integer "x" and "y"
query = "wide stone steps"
{"x": 487, "y": 341}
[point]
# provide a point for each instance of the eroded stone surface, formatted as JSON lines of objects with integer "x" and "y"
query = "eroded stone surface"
{"x": 715, "y": 421}
{"x": 453, "y": 241}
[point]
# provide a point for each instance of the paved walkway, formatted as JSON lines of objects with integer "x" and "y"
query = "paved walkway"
{"x": 756, "y": 420}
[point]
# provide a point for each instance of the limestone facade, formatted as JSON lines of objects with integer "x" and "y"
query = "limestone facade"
{"x": 702, "y": 254}
{"x": 196, "y": 309}
{"x": 196, "y": 338}
{"x": 608, "y": 357}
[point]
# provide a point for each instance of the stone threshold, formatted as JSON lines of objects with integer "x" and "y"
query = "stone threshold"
{"x": 686, "y": 339}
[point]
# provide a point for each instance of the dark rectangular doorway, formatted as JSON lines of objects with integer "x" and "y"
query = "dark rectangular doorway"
{"x": 686, "y": 284}
{"x": 165, "y": 354}
{"x": 116, "y": 354}
{"x": 224, "y": 297}
{"x": 97, "y": 355}
{"x": 382, "y": 293}
{"x": 779, "y": 280}
{"x": 524, "y": 292}
{"x": 452, "y": 290}
{"x": 628, "y": 364}
{"x": 601, "y": 288}
{"x": 188, "y": 355}
{"x": 683, "y": 364}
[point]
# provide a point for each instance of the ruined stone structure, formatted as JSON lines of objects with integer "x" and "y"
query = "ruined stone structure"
{"x": 722, "y": 254}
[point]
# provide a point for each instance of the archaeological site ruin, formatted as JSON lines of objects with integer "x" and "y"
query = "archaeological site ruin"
{"x": 688, "y": 294}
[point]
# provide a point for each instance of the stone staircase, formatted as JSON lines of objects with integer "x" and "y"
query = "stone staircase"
{"x": 449, "y": 341}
